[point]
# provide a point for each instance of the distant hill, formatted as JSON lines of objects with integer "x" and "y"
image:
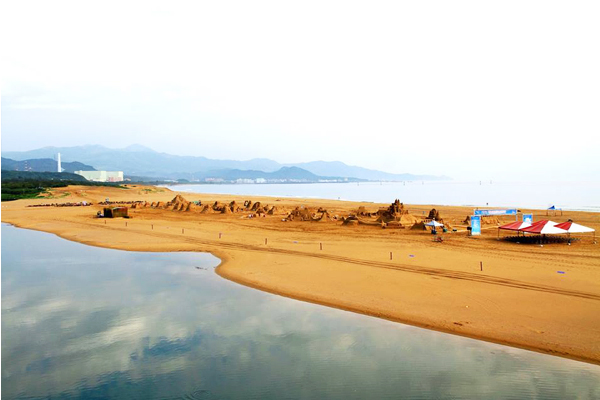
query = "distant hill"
{"x": 337, "y": 168}
{"x": 139, "y": 160}
{"x": 43, "y": 165}
{"x": 41, "y": 176}
{"x": 284, "y": 174}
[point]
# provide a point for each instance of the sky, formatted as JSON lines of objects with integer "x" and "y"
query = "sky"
{"x": 470, "y": 89}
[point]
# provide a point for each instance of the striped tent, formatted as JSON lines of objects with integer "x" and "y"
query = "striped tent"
{"x": 514, "y": 226}
{"x": 544, "y": 227}
{"x": 572, "y": 227}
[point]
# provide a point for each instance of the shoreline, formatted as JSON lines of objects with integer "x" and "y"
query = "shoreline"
{"x": 223, "y": 260}
{"x": 173, "y": 187}
{"x": 391, "y": 318}
{"x": 284, "y": 269}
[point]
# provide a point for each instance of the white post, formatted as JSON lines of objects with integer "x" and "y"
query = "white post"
{"x": 59, "y": 166}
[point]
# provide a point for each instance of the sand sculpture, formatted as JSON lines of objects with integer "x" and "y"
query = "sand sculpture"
{"x": 435, "y": 214}
{"x": 68, "y": 204}
{"x": 207, "y": 209}
{"x": 321, "y": 216}
{"x": 419, "y": 226}
{"x": 362, "y": 212}
{"x": 396, "y": 216}
{"x": 485, "y": 220}
{"x": 192, "y": 207}
{"x": 300, "y": 213}
{"x": 179, "y": 203}
{"x": 351, "y": 220}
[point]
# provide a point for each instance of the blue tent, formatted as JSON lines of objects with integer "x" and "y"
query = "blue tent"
{"x": 553, "y": 208}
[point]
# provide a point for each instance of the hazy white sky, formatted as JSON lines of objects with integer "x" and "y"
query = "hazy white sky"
{"x": 437, "y": 87}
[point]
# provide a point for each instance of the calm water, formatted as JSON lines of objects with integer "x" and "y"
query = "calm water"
{"x": 540, "y": 195}
{"x": 85, "y": 322}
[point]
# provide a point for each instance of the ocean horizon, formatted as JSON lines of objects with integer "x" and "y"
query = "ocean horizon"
{"x": 571, "y": 196}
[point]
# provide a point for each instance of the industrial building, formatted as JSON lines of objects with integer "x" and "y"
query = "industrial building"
{"x": 102, "y": 176}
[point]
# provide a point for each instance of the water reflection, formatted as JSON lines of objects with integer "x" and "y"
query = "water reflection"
{"x": 84, "y": 322}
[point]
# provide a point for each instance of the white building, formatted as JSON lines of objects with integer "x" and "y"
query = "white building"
{"x": 102, "y": 176}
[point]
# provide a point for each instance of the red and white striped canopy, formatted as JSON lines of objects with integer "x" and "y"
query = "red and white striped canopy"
{"x": 544, "y": 227}
{"x": 572, "y": 227}
{"x": 515, "y": 226}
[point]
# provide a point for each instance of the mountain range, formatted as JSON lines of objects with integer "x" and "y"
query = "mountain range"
{"x": 288, "y": 174}
{"x": 138, "y": 160}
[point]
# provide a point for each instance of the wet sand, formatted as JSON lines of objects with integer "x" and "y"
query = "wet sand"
{"x": 519, "y": 298}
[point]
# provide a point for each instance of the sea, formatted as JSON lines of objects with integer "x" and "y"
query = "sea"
{"x": 575, "y": 196}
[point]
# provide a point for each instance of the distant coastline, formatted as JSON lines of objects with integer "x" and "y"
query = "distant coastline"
{"x": 581, "y": 196}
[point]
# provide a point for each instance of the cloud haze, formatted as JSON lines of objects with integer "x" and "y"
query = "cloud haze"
{"x": 474, "y": 90}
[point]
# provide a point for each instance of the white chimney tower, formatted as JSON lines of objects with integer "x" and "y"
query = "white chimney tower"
{"x": 59, "y": 166}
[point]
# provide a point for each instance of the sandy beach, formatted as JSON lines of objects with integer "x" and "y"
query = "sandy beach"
{"x": 545, "y": 299}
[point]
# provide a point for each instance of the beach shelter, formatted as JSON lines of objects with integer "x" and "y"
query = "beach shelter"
{"x": 572, "y": 227}
{"x": 544, "y": 227}
{"x": 514, "y": 226}
{"x": 553, "y": 208}
{"x": 434, "y": 224}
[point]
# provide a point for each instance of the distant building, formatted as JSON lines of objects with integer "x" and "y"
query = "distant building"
{"x": 102, "y": 176}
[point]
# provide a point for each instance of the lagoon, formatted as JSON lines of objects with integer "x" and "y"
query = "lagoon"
{"x": 81, "y": 322}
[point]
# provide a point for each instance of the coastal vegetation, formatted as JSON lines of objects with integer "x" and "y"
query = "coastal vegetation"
{"x": 30, "y": 185}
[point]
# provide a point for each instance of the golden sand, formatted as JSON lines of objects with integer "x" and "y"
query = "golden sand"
{"x": 519, "y": 298}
